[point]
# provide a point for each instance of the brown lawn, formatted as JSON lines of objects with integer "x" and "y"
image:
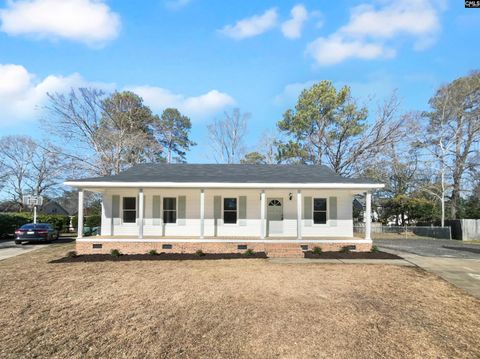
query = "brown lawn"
{"x": 229, "y": 309}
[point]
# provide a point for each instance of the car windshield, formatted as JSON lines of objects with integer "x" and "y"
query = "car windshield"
{"x": 34, "y": 226}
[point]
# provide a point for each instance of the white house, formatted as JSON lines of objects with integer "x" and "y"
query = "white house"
{"x": 279, "y": 209}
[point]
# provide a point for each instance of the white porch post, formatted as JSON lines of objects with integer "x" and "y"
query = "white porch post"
{"x": 202, "y": 213}
{"x": 262, "y": 214}
{"x": 141, "y": 200}
{"x": 80, "y": 214}
{"x": 368, "y": 215}
{"x": 299, "y": 214}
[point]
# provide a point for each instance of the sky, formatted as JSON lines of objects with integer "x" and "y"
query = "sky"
{"x": 206, "y": 57}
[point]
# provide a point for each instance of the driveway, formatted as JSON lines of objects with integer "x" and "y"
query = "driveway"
{"x": 454, "y": 261}
{"x": 9, "y": 249}
{"x": 432, "y": 247}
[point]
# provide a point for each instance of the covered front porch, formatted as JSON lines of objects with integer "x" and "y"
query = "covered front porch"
{"x": 286, "y": 214}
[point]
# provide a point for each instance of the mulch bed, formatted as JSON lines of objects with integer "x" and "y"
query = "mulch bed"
{"x": 351, "y": 255}
{"x": 157, "y": 257}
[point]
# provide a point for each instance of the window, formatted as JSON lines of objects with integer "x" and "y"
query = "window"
{"x": 169, "y": 210}
{"x": 129, "y": 209}
{"x": 229, "y": 210}
{"x": 320, "y": 210}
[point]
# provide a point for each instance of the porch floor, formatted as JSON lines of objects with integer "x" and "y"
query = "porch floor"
{"x": 229, "y": 238}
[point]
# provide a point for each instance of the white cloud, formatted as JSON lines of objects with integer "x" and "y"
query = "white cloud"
{"x": 177, "y": 4}
{"x": 22, "y": 94}
{"x": 195, "y": 106}
{"x": 371, "y": 30}
{"x": 252, "y": 26}
{"x": 291, "y": 92}
{"x": 335, "y": 49}
{"x": 292, "y": 28}
{"x": 88, "y": 21}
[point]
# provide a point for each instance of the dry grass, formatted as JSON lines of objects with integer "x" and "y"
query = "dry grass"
{"x": 229, "y": 309}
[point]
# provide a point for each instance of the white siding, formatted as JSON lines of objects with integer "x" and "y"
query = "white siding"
{"x": 247, "y": 228}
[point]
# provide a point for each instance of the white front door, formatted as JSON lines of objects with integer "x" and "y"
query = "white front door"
{"x": 274, "y": 216}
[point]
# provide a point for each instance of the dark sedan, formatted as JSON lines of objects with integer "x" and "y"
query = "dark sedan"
{"x": 40, "y": 232}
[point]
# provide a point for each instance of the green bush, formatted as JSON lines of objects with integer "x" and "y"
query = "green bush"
{"x": 374, "y": 249}
{"x": 115, "y": 253}
{"x": 93, "y": 221}
{"x": 153, "y": 252}
{"x": 9, "y": 222}
{"x": 199, "y": 253}
{"x": 317, "y": 250}
{"x": 249, "y": 252}
{"x": 58, "y": 221}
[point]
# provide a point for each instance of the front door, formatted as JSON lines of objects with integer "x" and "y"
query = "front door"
{"x": 274, "y": 216}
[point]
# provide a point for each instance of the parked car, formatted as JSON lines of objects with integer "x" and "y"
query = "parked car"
{"x": 39, "y": 232}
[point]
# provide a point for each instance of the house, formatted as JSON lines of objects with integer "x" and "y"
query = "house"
{"x": 279, "y": 209}
{"x": 53, "y": 207}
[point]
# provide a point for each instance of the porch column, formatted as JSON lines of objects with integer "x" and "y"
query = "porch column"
{"x": 141, "y": 206}
{"x": 262, "y": 215}
{"x": 202, "y": 213}
{"x": 80, "y": 214}
{"x": 299, "y": 214}
{"x": 368, "y": 215}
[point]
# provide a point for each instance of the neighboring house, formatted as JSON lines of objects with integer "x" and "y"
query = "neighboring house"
{"x": 53, "y": 207}
{"x": 279, "y": 209}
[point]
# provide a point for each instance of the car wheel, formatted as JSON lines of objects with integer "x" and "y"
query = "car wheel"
{"x": 18, "y": 242}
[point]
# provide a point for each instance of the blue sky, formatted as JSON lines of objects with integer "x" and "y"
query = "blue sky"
{"x": 208, "y": 56}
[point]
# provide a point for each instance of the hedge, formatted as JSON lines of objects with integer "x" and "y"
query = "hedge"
{"x": 11, "y": 221}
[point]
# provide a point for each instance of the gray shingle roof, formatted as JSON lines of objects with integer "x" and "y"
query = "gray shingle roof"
{"x": 227, "y": 173}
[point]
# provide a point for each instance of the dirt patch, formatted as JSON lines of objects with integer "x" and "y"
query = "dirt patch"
{"x": 351, "y": 255}
{"x": 157, "y": 257}
{"x": 229, "y": 309}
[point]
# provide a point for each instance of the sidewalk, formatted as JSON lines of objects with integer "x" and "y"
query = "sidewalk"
{"x": 398, "y": 262}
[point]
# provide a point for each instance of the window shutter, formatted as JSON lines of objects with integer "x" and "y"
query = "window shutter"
{"x": 242, "y": 210}
{"x": 307, "y": 211}
{"x": 332, "y": 204}
{"x": 156, "y": 213}
{"x": 182, "y": 210}
{"x": 217, "y": 207}
{"x": 116, "y": 209}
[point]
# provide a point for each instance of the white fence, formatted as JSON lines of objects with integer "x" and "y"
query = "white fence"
{"x": 403, "y": 232}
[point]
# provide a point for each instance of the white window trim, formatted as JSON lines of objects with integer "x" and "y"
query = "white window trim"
{"x": 327, "y": 214}
{"x": 223, "y": 210}
{"x": 136, "y": 211}
{"x": 176, "y": 210}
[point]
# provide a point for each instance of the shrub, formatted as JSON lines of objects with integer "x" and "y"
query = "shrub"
{"x": 374, "y": 249}
{"x": 317, "y": 250}
{"x": 115, "y": 253}
{"x": 345, "y": 249}
{"x": 199, "y": 253}
{"x": 93, "y": 221}
{"x": 249, "y": 252}
{"x": 153, "y": 252}
{"x": 9, "y": 222}
{"x": 58, "y": 221}
{"x": 72, "y": 254}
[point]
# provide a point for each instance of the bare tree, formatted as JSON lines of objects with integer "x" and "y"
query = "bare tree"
{"x": 29, "y": 167}
{"x": 227, "y": 136}
{"x": 102, "y": 135}
{"x": 453, "y": 131}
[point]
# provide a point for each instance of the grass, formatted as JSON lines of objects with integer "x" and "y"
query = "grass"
{"x": 229, "y": 309}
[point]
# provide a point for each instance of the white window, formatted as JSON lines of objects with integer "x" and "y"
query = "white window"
{"x": 230, "y": 210}
{"x": 319, "y": 210}
{"x": 169, "y": 210}
{"x": 129, "y": 209}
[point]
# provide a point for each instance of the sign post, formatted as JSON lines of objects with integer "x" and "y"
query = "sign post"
{"x": 33, "y": 201}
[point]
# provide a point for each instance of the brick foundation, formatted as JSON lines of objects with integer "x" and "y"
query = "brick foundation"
{"x": 272, "y": 249}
